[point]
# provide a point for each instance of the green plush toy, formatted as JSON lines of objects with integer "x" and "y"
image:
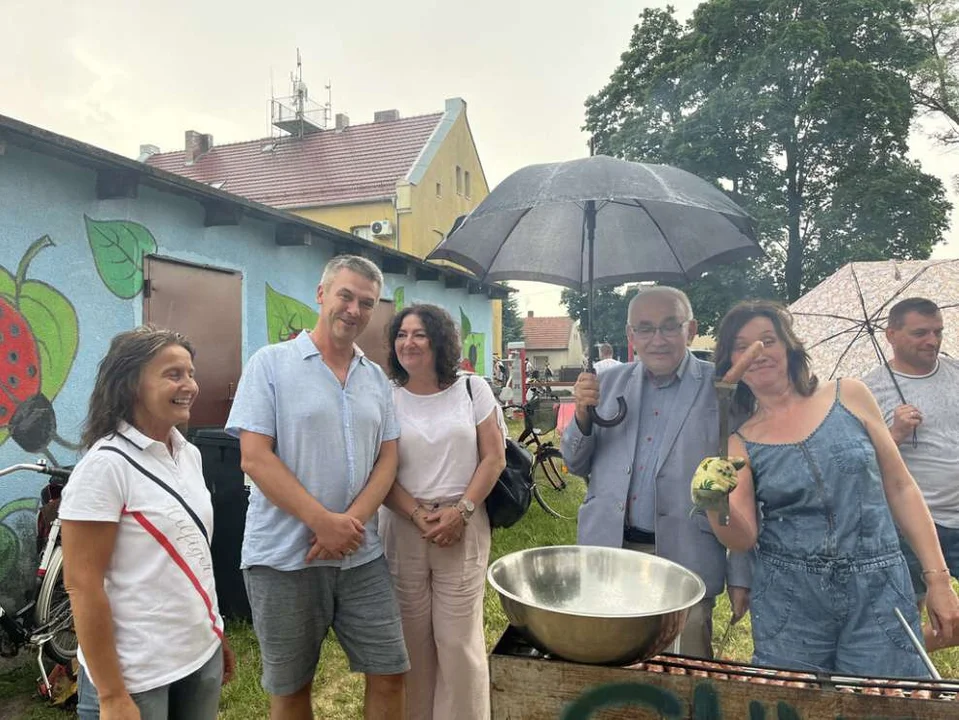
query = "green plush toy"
{"x": 712, "y": 482}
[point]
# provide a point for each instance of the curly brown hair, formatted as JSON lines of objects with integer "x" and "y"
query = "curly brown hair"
{"x": 444, "y": 340}
{"x": 797, "y": 359}
{"x": 114, "y": 395}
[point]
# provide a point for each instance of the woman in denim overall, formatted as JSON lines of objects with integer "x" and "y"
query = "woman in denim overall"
{"x": 818, "y": 500}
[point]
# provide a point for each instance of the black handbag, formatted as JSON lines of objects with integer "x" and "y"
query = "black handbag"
{"x": 512, "y": 494}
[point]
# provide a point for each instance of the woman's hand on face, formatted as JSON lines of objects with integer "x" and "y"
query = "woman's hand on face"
{"x": 120, "y": 707}
{"x": 943, "y": 607}
{"x": 446, "y": 526}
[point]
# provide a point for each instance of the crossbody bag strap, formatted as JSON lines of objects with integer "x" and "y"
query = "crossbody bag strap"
{"x": 150, "y": 476}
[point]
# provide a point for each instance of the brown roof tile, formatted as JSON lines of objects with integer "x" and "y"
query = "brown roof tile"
{"x": 363, "y": 162}
{"x": 547, "y": 333}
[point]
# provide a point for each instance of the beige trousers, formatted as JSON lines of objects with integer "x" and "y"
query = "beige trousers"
{"x": 440, "y": 593}
{"x": 696, "y": 639}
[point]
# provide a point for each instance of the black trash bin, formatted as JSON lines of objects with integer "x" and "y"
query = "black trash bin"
{"x": 224, "y": 479}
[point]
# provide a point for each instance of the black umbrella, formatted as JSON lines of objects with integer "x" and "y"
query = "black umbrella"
{"x": 602, "y": 221}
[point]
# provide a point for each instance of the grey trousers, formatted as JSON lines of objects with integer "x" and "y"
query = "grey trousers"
{"x": 696, "y": 639}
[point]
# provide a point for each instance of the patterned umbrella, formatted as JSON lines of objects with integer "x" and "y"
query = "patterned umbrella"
{"x": 842, "y": 320}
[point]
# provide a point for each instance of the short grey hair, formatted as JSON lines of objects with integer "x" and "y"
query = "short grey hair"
{"x": 354, "y": 263}
{"x": 660, "y": 291}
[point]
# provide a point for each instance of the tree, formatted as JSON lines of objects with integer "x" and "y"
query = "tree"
{"x": 935, "y": 84}
{"x": 609, "y": 316}
{"x": 801, "y": 112}
{"x": 512, "y": 323}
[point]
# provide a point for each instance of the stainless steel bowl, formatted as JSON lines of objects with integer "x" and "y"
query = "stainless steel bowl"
{"x": 595, "y": 605}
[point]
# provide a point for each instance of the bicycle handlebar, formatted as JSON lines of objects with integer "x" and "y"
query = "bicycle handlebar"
{"x": 37, "y": 467}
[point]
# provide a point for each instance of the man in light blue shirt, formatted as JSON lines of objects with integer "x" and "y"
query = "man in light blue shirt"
{"x": 318, "y": 438}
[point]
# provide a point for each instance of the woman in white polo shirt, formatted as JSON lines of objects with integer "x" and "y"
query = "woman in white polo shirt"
{"x": 137, "y": 521}
{"x": 436, "y": 534}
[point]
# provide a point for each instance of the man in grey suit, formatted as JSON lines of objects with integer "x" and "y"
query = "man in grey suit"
{"x": 639, "y": 471}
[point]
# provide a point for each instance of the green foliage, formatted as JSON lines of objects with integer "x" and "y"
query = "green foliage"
{"x": 801, "y": 112}
{"x": 512, "y": 323}
{"x": 609, "y": 316}
{"x": 935, "y": 82}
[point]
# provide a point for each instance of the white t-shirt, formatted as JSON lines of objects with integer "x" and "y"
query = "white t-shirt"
{"x": 934, "y": 461}
{"x": 166, "y": 624}
{"x": 438, "y": 450}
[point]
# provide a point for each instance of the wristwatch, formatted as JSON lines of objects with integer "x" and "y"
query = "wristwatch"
{"x": 466, "y": 508}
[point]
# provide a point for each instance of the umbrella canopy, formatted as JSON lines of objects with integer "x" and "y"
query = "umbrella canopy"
{"x": 599, "y": 220}
{"x": 842, "y": 320}
{"x": 652, "y": 222}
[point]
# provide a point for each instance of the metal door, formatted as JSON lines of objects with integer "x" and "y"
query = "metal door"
{"x": 373, "y": 340}
{"x": 205, "y": 304}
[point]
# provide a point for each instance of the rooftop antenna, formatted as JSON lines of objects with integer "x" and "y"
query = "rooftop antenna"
{"x": 297, "y": 114}
{"x": 328, "y": 108}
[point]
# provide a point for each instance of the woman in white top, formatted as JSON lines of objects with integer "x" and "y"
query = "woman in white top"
{"x": 435, "y": 531}
{"x": 137, "y": 521}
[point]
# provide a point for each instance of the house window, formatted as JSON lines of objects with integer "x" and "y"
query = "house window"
{"x": 361, "y": 231}
{"x": 466, "y": 184}
{"x": 439, "y": 190}
{"x": 459, "y": 180}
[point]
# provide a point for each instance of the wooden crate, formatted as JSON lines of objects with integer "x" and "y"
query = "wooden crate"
{"x": 525, "y": 686}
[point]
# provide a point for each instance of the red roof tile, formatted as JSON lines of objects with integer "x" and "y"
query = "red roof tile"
{"x": 363, "y": 162}
{"x": 547, "y": 333}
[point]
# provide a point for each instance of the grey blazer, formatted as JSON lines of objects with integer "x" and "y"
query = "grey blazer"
{"x": 608, "y": 456}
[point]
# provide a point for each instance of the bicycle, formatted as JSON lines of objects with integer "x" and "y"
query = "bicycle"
{"x": 45, "y": 623}
{"x": 549, "y": 487}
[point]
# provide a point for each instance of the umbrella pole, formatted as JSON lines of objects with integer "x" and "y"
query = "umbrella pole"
{"x": 590, "y": 238}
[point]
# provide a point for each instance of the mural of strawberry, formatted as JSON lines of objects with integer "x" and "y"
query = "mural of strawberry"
{"x": 38, "y": 343}
{"x": 19, "y": 363}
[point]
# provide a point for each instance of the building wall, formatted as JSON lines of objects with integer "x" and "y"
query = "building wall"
{"x": 347, "y": 217}
{"x": 71, "y": 278}
{"x": 433, "y": 214}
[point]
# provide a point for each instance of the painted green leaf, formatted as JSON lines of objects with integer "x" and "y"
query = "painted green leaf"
{"x": 399, "y": 298}
{"x": 118, "y": 248}
{"x": 465, "y": 326}
{"x": 286, "y": 316}
{"x": 8, "y": 284}
{"x": 474, "y": 348}
{"x": 54, "y": 324}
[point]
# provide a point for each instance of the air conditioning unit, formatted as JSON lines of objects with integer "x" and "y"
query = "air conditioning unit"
{"x": 381, "y": 228}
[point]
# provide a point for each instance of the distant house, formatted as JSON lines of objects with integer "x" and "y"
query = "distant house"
{"x": 399, "y": 182}
{"x": 556, "y": 339}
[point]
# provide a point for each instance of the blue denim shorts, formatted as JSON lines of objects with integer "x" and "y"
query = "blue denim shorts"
{"x": 948, "y": 541}
{"x": 835, "y": 617}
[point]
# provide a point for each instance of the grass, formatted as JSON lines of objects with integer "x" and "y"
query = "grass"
{"x": 338, "y": 693}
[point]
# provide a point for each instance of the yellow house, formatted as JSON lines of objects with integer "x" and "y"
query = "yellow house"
{"x": 399, "y": 182}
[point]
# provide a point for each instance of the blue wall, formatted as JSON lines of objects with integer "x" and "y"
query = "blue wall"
{"x": 46, "y": 197}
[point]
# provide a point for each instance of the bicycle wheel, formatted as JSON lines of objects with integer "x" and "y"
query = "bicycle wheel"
{"x": 558, "y": 494}
{"x": 53, "y": 611}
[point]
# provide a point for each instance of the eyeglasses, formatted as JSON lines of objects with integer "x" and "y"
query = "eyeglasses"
{"x": 669, "y": 329}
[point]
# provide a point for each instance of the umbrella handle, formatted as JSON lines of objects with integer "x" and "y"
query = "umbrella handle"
{"x": 613, "y": 421}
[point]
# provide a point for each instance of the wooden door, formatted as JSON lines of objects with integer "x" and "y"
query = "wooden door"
{"x": 205, "y": 304}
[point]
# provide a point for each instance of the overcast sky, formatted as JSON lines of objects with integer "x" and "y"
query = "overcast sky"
{"x": 117, "y": 74}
